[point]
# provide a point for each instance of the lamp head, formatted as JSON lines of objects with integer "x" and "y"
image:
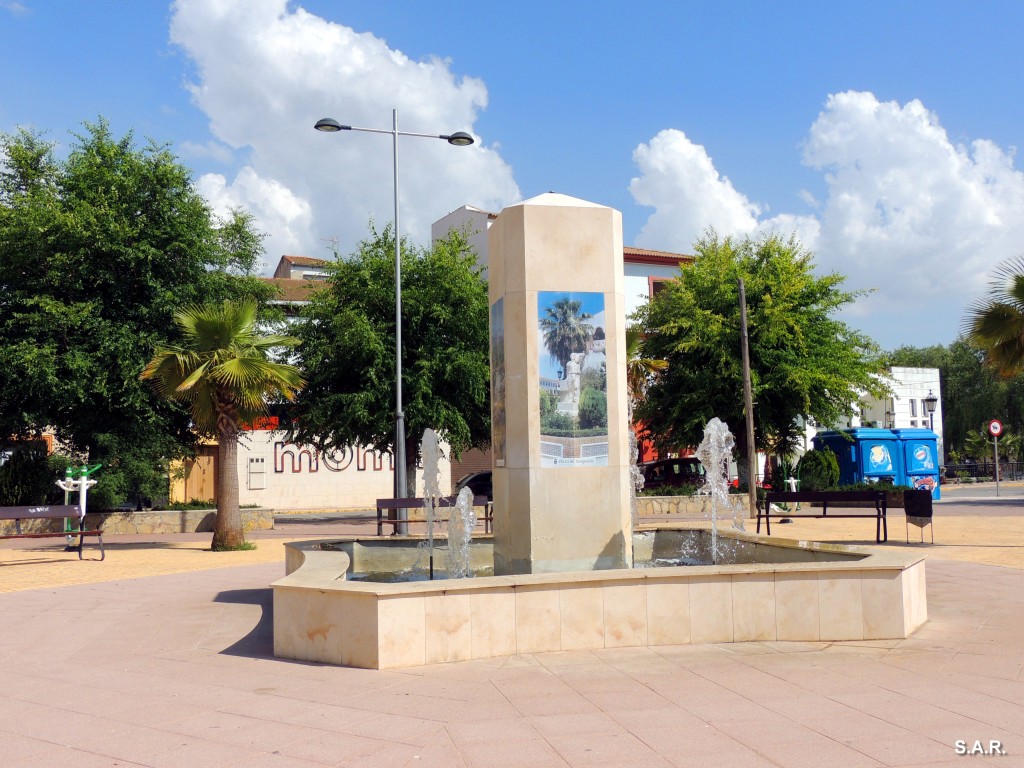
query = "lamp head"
{"x": 330, "y": 125}
{"x": 930, "y": 402}
{"x": 459, "y": 139}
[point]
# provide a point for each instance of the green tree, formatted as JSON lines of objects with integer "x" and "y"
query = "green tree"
{"x": 566, "y": 330}
{"x": 995, "y": 324}
{"x": 804, "y": 363}
{"x": 97, "y": 251}
{"x": 348, "y": 349}
{"x": 221, "y": 371}
{"x": 972, "y": 391}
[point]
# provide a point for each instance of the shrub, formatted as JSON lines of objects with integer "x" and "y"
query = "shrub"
{"x": 548, "y": 404}
{"x": 593, "y": 409}
{"x": 29, "y": 477}
{"x": 182, "y": 506}
{"x": 556, "y": 420}
{"x": 882, "y": 485}
{"x": 818, "y": 470}
{"x": 671, "y": 490}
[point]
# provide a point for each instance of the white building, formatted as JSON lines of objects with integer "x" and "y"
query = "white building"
{"x": 644, "y": 269}
{"x": 906, "y": 407}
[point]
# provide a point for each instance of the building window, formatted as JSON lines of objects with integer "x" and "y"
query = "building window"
{"x": 913, "y": 408}
{"x": 655, "y": 285}
{"x": 913, "y": 423}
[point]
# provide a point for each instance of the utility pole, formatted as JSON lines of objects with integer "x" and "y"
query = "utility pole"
{"x": 748, "y": 404}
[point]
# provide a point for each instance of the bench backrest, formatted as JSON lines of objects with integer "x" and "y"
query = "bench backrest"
{"x": 812, "y": 496}
{"x": 418, "y": 503}
{"x": 42, "y": 511}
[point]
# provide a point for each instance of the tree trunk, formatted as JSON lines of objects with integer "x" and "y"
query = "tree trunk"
{"x": 227, "y": 530}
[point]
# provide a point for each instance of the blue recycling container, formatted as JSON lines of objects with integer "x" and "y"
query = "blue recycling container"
{"x": 865, "y": 454}
{"x": 919, "y": 452}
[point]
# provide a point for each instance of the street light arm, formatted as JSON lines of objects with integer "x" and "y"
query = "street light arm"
{"x": 330, "y": 125}
{"x": 458, "y": 139}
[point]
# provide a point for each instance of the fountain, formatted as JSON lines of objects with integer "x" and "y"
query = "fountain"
{"x": 461, "y": 522}
{"x": 714, "y": 452}
{"x": 564, "y": 544}
{"x": 430, "y": 451}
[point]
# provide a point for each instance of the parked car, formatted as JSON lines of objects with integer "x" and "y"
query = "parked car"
{"x": 668, "y": 472}
{"x": 480, "y": 483}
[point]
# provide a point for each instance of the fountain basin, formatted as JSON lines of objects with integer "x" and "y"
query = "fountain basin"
{"x": 775, "y": 589}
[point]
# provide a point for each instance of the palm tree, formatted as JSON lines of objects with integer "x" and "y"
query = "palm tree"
{"x": 979, "y": 445}
{"x": 566, "y": 330}
{"x": 639, "y": 370}
{"x": 221, "y": 372}
{"x": 996, "y": 324}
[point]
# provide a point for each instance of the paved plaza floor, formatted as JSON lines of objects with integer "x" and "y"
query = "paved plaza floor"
{"x": 162, "y": 656}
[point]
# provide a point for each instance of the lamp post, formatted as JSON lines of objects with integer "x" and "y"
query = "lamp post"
{"x": 929, "y": 407}
{"x": 459, "y": 139}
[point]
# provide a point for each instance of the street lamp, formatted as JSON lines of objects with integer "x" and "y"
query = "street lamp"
{"x": 459, "y": 139}
{"x": 929, "y": 407}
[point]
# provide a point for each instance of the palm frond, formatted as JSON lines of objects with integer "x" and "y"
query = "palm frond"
{"x": 222, "y": 370}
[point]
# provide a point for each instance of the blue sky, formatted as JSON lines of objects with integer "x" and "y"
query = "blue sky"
{"x": 882, "y": 134}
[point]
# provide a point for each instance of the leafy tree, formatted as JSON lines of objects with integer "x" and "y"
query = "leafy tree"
{"x": 996, "y": 323}
{"x": 348, "y": 349}
{"x": 566, "y": 330}
{"x": 97, "y": 251}
{"x": 221, "y": 371}
{"x": 804, "y": 363}
{"x": 972, "y": 392}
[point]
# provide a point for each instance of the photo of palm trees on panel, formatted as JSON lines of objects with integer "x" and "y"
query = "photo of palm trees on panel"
{"x": 573, "y": 379}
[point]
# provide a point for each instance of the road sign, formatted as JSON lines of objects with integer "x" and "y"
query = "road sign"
{"x": 995, "y": 428}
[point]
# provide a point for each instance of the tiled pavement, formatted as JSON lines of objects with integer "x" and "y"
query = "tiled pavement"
{"x": 165, "y": 660}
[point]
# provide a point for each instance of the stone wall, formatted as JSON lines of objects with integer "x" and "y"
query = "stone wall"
{"x": 190, "y": 521}
{"x": 675, "y": 507}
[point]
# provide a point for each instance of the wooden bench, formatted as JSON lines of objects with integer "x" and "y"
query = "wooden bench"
{"x": 393, "y": 505}
{"x": 50, "y": 512}
{"x": 825, "y": 499}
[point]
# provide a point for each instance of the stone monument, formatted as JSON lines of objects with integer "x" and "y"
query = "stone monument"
{"x": 561, "y": 476}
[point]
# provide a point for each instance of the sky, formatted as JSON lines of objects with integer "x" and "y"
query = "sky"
{"x": 882, "y": 135}
{"x": 590, "y": 304}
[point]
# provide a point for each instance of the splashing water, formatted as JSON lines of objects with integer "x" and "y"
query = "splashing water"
{"x": 461, "y": 523}
{"x": 430, "y": 451}
{"x": 714, "y": 452}
{"x": 636, "y": 476}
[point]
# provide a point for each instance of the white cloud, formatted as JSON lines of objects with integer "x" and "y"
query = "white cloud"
{"x": 13, "y": 6}
{"x": 679, "y": 180}
{"x": 210, "y": 149}
{"x": 284, "y": 218}
{"x": 265, "y": 74}
{"x": 907, "y": 211}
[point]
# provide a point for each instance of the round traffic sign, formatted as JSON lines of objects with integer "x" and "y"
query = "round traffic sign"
{"x": 995, "y": 427}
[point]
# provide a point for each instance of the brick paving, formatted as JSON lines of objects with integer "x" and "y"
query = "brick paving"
{"x": 162, "y": 656}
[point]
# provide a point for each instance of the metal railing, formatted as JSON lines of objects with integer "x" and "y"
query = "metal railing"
{"x": 985, "y": 470}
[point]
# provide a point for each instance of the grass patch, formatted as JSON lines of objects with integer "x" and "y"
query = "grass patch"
{"x": 245, "y": 546}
